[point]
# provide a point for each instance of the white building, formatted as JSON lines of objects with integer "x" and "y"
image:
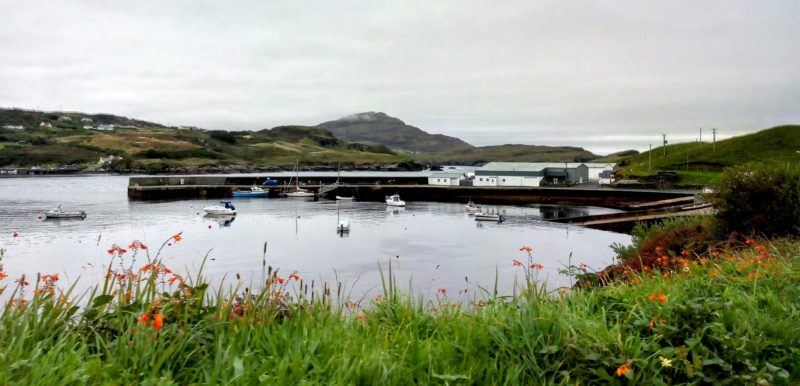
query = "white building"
{"x": 596, "y": 168}
{"x": 45, "y": 124}
{"x": 64, "y": 118}
{"x": 445, "y": 178}
{"x": 530, "y": 173}
{"x": 86, "y": 120}
{"x": 13, "y": 127}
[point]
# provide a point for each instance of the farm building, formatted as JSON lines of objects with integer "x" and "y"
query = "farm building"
{"x": 530, "y": 173}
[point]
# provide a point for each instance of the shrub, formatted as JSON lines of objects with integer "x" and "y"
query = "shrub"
{"x": 759, "y": 199}
{"x": 224, "y": 136}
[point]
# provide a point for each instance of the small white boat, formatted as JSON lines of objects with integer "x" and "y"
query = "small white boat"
{"x": 343, "y": 226}
{"x": 219, "y": 210}
{"x": 58, "y": 213}
{"x": 345, "y": 198}
{"x": 394, "y": 200}
{"x": 300, "y": 193}
{"x": 255, "y": 191}
{"x": 480, "y": 216}
{"x": 471, "y": 207}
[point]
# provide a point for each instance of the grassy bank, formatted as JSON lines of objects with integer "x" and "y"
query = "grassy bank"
{"x": 728, "y": 315}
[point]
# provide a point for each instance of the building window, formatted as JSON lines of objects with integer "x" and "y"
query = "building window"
{"x": 504, "y": 180}
{"x": 480, "y": 179}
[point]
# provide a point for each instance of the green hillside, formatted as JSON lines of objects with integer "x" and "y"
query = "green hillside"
{"x": 147, "y": 146}
{"x": 703, "y": 162}
{"x": 510, "y": 153}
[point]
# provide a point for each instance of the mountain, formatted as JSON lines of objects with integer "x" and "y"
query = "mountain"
{"x": 389, "y": 131}
{"x": 510, "y": 153}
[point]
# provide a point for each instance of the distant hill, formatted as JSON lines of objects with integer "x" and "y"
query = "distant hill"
{"x": 515, "y": 153}
{"x": 65, "y": 119}
{"x": 150, "y": 147}
{"x": 618, "y": 156}
{"x": 389, "y": 131}
{"x": 705, "y": 160}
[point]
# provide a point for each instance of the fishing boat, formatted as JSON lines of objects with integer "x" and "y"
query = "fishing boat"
{"x": 255, "y": 191}
{"x": 298, "y": 191}
{"x": 471, "y": 207}
{"x": 343, "y": 198}
{"x": 481, "y": 216}
{"x": 394, "y": 200}
{"x": 218, "y": 210}
{"x": 58, "y": 213}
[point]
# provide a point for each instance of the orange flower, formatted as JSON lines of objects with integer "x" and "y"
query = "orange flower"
{"x": 3, "y": 275}
{"x": 526, "y": 249}
{"x": 652, "y": 323}
{"x": 158, "y": 321}
{"x": 361, "y": 317}
{"x": 661, "y": 298}
{"x": 657, "y": 296}
{"x": 517, "y": 263}
{"x": 537, "y": 266}
{"x": 144, "y": 318}
{"x": 172, "y": 279}
{"x": 281, "y": 279}
{"x": 443, "y": 291}
{"x": 651, "y": 297}
{"x": 177, "y": 237}
{"x": 295, "y": 276}
{"x": 623, "y": 370}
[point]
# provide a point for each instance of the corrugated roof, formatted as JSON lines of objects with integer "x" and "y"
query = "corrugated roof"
{"x": 446, "y": 175}
{"x": 526, "y": 166}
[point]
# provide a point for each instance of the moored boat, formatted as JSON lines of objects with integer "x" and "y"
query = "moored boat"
{"x": 218, "y": 210}
{"x": 480, "y": 216}
{"x": 345, "y": 198}
{"x": 394, "y": 200}
{"x": 471, "y": 207}
{"x": 255, "y": 191}
{"x": 58, "y": 213}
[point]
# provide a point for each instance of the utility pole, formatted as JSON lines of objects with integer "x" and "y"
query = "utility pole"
{"x": 665, "y": 144}
{"x": 701, "y": 135}
{"x": 650, "y": 158}
{"x": 714, "y": 141}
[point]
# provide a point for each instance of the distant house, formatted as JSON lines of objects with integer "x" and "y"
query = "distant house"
{"x": 64, "y": 118}
{"x": 530, "y": 173}
{"x": 13, "y": 127}
{"x": 45, "y": 124}
{"x": 86, "y": 119}
{"x": 445, "y": 179}
{"x": 106, "y": 127}
{"x": 108, "y": 160}
{"x": 88, "y": 127}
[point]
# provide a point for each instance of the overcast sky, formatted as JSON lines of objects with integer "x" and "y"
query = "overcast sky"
{"x": 603, "y": 75}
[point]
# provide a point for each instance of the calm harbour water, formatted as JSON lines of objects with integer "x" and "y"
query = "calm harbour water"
{"x": 431, "y": 245}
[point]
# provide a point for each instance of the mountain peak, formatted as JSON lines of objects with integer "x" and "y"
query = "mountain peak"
{"x": 380, "y": 128}
{"x": 367, "y": 117}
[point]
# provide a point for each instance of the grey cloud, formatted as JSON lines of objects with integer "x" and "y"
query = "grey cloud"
{"x": 604, "y": 75}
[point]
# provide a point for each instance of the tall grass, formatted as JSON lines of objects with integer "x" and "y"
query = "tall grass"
{"x": 727, "y": 318}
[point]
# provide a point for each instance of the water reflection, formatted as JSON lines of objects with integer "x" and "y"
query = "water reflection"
{"x": 416, "y": 238}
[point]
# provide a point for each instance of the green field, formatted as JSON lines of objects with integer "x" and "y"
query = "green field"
{"x": 701, "y": 163}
